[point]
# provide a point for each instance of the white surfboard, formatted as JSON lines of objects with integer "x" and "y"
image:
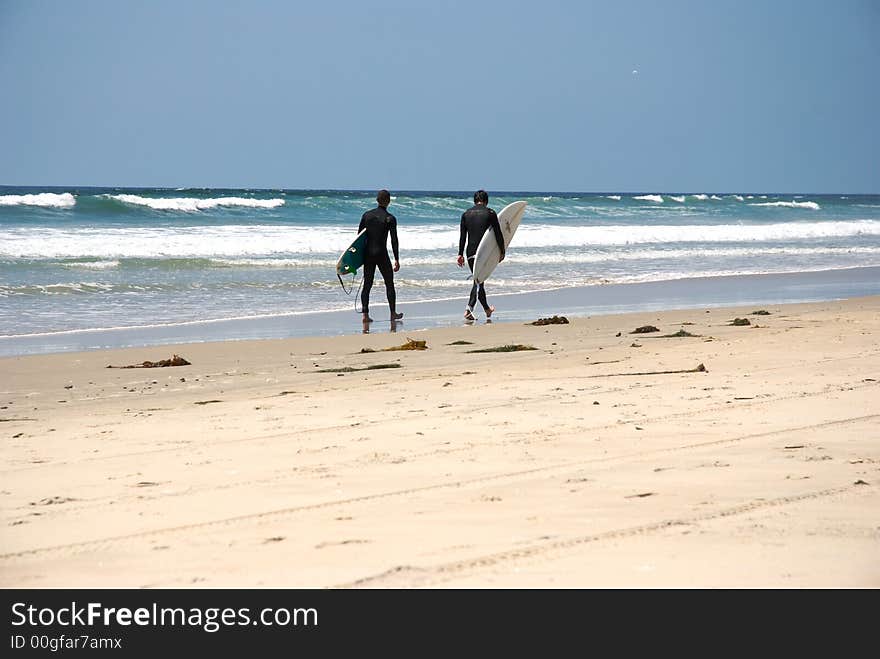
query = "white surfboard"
{"x": 488, "y": 253}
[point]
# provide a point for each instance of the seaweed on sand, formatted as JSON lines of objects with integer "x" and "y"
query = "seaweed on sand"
{"x": 411, "y": 344}
{"x": 512, "y": 347}
{"x": 554, "y": 320}
{"x": 352, "y": 369}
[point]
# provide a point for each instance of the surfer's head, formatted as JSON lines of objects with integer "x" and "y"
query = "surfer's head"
{"x": 481, "y": 197}
{"x": 383, "y": 197}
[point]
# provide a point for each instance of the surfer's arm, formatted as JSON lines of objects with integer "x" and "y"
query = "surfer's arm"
{"x": 394, "y": 244}
{"x": 462, "y": 236}
{"x": 363, "y": 224}
{"x": 496, "y": 227}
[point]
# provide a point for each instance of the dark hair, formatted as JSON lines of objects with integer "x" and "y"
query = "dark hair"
{"x": 481, "y": 197}
{"x": 383, "y": 197}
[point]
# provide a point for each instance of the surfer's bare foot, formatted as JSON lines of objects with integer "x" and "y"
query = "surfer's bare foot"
{"x": 489, "y": 312}
{"x": 367, "y": 319}
{"x": 396, "y": 316}
{"x": 468, "y": 315}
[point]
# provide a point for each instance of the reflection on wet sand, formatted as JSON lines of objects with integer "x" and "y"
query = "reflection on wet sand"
{"x": 394, "y": 324}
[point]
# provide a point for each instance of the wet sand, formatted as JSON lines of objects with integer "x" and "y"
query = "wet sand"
{"x": 695, "y": 293}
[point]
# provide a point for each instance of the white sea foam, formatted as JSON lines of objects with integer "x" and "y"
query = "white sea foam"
{"x": 715, "y": 197}
{"x": 567, "y": 256}
{"x": 230, "y": 241}
{"x": 708, "y": 274}
{"x": 708, "y": 252}
{"x": 273, "y": 263}
{"x": 46, "y": 199}
{"x": 242, "y": 241}
{"x": 191, "y": 204}
{"x": 436, "y": 283}
{"x": 791, "y": 204}
{"x": 93, "y": 265}
{"x": 615, "y": 197}
{"x": 700, "y": 197}
{"x": 678, "y": 199}
{"x": 55, "y": 289}
{"x": 657, "y": 199}
{"x": 739, "y": 197}
{"x": 548, "y": 236}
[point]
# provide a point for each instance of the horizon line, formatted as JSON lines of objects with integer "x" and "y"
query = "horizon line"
{"x": 434, "y": 191}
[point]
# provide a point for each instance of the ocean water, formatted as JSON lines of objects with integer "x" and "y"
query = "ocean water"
{"x": 87, "y": 258}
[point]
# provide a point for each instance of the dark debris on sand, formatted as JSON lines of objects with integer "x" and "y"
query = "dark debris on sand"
{"x": 411, "y": 344}
{"x": 740, "y": 321}
{"x": 554, "y": 320}
{"x": 679, "y": 334}
{"x": 517, "y": 347}
{"x": 175, "y": 360}
{"x": 352, "y": 369}
{"x": 700, "y": 368}
{"x": 644, "y": 329}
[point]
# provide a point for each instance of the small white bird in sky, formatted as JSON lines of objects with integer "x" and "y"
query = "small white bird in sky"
{"x": 635, "y": 72}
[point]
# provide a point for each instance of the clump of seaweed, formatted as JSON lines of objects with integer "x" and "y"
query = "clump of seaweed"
{"x": 513, "y": 347}
{"x": 644, "y": 329}
{"x": 740, "y": 321}
{"x": 761, "y": 312}
{"x": 679, "y": 334}
{"x": 554, "y": 320}
{"x": 411, "y": 344}
{"x": 352, "y": 369}
{"x": 176, "y": 360}
{"x": 700, "y": 368}
{"x": 461, "y": 343}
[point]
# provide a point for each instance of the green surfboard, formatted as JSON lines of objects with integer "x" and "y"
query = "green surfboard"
{"x": 352, "y": 258}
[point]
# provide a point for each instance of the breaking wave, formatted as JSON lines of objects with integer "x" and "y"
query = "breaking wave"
{"x": 191, "y": 204}
{"x": 812, "y": 205}
{"x": 45, "y": 199}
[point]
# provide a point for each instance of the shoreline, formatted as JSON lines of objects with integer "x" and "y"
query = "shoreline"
{"x": 582, "y": 301}
{"x": 602, "y": 458}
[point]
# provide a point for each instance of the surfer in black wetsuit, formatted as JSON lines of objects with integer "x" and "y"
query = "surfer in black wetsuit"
{"x": 379, "y": 223}
{"x": 474, "y": 223}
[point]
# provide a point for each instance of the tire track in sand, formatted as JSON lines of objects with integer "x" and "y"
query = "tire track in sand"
{"x": 420, "y": 577}
{"x": 104, "y": 543}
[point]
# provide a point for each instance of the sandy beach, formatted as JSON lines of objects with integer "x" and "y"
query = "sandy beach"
{"x": 602, "y": 458}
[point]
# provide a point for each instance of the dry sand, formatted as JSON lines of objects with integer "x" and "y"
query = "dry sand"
{"x": 567, "y": 466}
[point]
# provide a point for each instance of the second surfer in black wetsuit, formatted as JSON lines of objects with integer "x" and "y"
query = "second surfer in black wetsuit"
{"x": 379, "y": 223}
{"x": 474, "y": 223}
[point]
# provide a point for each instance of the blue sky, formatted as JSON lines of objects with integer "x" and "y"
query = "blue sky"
{"x": 776, "y": 96}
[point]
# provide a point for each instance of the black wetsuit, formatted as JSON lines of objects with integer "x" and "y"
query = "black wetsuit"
{"x": 379, "y": 223}
{"x": 474, "y": 223}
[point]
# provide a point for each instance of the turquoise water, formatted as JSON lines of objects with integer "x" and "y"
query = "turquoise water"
{"x": 84, "y": 258}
